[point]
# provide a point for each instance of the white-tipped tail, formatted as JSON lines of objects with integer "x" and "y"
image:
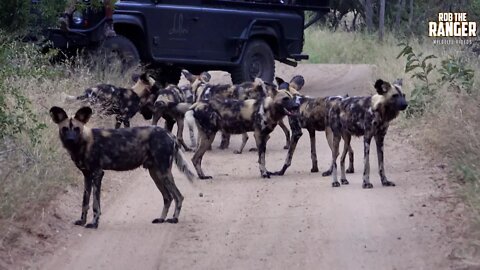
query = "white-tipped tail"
{"x": 190, "y": 121}
{"x": 182, "y": 164}
{"x": 69, "y": 98}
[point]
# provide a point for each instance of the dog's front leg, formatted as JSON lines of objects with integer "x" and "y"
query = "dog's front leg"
{"x": 313, "y": 150}
{"x": 287, "y": 133}
{"x": 97, "y": 185}
{"x": 335, "y": 150}
{"x": 379, "y": 138}
{"x": 261, "y": 140}
{"x": 180, "y": 125}
{"x": 366, "y": 161}
{"x": 86, "y": 198}
{"x": 205, "y": 143}
{"x": 296, "y": 134}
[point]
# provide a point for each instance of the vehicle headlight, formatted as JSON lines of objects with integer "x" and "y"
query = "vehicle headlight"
{"x": 77, "y": 17}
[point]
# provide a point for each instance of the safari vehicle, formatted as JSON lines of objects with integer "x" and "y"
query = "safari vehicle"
{"x": 241, "y": 37}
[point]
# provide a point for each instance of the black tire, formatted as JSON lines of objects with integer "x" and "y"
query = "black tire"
{"x": 119, "y": 47}
{"x": 257, "y": 61}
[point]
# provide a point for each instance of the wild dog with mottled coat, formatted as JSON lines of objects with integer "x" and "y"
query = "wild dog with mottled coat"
{"x": 96, "y": 150}
{"x": 367, "y": 116}
{"x": 238, "y": 117}
{"x": 171, "y": 103}
{"x": 312, "y": 117}
{"x": 124, "y": 103}
{"x": 248, "y": 90}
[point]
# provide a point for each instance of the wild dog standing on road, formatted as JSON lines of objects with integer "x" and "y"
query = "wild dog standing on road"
{"x": 171, "y": 103}
{"x": 368, "y": 117}
{"x": 312, "y": 117}
{"x": 237, "y": 117}
{"x": 247, "y": 90}
{"x": 122, "y": 102}
{"x": 96, "y": 150}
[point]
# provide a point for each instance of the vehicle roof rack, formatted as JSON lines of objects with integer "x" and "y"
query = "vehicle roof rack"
{"x": 314, "y": 5}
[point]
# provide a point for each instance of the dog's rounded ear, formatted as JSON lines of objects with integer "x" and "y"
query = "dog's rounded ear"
{"x": 279, "y": 81}
{"x": 299, "y": 81}
{"x": 382, "y": 86}
{"x": 189, "y": 76}
{"x": 145, "y": 78}
{"x": 83, "y": 114}
{"x": 58, "y": 114}
{"x": 205, "y": 76}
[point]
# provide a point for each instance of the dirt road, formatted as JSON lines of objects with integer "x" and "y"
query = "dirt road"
{"x": 297, "y": 221}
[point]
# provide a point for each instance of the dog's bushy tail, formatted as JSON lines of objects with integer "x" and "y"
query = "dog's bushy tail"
{"x": 190, "y": 121}
{"x": 182, "y": 163}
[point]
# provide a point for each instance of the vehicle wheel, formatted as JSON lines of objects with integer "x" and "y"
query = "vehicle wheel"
{"x": 258, "y": 61}
{"x": 119, "y": 48}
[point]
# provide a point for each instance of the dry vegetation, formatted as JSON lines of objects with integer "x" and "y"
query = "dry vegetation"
{"x": 34, "y": 168}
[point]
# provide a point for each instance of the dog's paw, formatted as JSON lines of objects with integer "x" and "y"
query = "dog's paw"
{"x": 253, "y": 149}
{"x": 336, "y": 184}
{"x": 367, "y": 185}
{"x": 350, "y": 170}
{"x": 314, "y": 169}
{"x": 286, "y": 147}
{"x": 92, "y": 226}
{"x": 387, "y": 183}
{"x": 80, "y": 222}
{"x": 238, "y": 152}
{"x": 266, "y": 174}
{"x": 344, "y": 181}
{"x": 158, "y": 220}
{"x": 327, "y": 173}
{"x": 172, "y": 220}
{"x": 205, "y": 177}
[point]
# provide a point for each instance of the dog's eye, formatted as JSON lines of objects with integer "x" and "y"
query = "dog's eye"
{"x": 76, "y": 129}
{"x": 395, "y": 95}
{"x": 64, "y": 129}
{"x": 285, "y": 98}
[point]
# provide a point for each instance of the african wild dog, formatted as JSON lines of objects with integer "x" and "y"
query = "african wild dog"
{"x": 312, "y": 117}
{"x": 294, "y": 86}
{"x": 238, "y": 117}
{"x": 96, "y": 150}
{"x": 171, "y": 103}
{"x": 122, "y": 102}
{"x": 247, "y": 90}
{"x": 367, "y": 116}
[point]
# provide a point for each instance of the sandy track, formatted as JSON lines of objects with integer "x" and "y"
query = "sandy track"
{"x": 297, "y": 221}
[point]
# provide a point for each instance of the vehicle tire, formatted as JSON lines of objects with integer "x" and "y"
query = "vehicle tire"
{"x": 257, "y": 61}
{"x": 121, "y": 48}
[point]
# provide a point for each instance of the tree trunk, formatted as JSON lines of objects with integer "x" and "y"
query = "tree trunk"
{"x": 368, "y": 14}
{"x": 354, "y": 21}
{"x": 381, "y": 21}
{"x": 410, "y": 15}
{"x": 399, "y": 14}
